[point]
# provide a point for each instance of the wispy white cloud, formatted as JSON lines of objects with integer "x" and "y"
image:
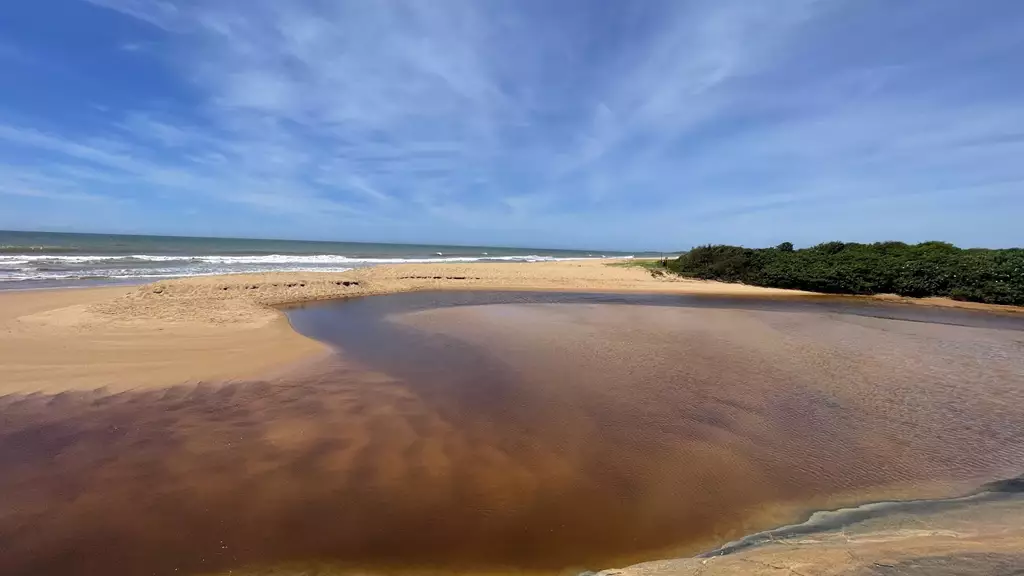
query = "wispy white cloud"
{"x": 116, "y": 161}
{"x": 17, "y": 181}
{"x": 160, "y": 13}
{"x": 134, "y": 46}
{"x": 572, "y": 124}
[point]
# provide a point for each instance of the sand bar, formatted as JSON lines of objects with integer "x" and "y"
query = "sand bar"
{"x": 53, "y": 340}
{"x": 226, "y": 327}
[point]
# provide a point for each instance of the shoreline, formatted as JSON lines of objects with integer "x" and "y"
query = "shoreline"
{"x": 224, "y": 328}
{"x": 968, "y": 534}
{"x": 825, "y": 520}
{"x": 230, "y": 328}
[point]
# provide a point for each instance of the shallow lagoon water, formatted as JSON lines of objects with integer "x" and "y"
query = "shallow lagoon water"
{"x": 495, "y": 432}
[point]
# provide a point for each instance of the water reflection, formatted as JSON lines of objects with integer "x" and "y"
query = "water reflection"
{"x": 513, "y": 431}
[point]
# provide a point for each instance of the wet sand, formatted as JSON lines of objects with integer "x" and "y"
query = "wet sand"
{"x": 982, "y": 539}
{"x": 506, "y": 432}
{"x": 218, "y": 328}
{"x": 52, "y": 341}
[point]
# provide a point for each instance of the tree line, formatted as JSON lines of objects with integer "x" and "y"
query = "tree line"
{"x": 916, "y": 270}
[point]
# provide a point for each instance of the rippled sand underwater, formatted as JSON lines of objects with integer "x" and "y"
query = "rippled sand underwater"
{"x": 498, "y": 433}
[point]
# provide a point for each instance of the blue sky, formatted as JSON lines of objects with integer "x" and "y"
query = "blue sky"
{"x": 633, "y": 125}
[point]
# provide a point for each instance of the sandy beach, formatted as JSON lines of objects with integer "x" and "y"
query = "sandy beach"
{"x": 57, "y": 340}
{"x": 97, "y": 344}
{"x": 225, "y": 327}
{"x": 219, "y": 328}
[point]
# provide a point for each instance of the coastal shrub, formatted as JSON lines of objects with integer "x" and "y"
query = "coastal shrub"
{"x": 916, "y": 270}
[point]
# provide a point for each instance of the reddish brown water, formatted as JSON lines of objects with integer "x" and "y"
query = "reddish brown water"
{"x": 497, "y": 432}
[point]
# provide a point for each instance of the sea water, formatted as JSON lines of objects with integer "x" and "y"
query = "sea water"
{"x": 43, "y": 259}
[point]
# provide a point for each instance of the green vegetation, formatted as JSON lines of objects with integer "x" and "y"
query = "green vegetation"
{"x": 656, "y": 266}
{"x": 646, "y": 263}
{"x": 926, "y": 269}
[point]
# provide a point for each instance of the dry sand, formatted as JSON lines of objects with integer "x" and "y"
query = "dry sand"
{"x": 57, "y": 340}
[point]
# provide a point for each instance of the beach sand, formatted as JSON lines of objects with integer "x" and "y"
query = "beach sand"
{"x": 219, "y": 328}
{"x": 225, "y": 327}
{"x": 216, "y": 329}
{"x": 984, "y": 540}
{"x": 55, "y": 340}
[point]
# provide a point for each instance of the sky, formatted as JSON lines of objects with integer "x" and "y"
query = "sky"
{"x": 653, "y": 125}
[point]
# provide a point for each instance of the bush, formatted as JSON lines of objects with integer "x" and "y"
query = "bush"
{"x": 917, "y": 270}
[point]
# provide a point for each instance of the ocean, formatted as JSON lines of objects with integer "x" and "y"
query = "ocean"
{"x": 48, "y": 259}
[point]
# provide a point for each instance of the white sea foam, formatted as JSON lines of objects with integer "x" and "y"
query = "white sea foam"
{"x": 149, "y": 273}
{"x": 23, "y": 267}
{"x": 270, "y": 259}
